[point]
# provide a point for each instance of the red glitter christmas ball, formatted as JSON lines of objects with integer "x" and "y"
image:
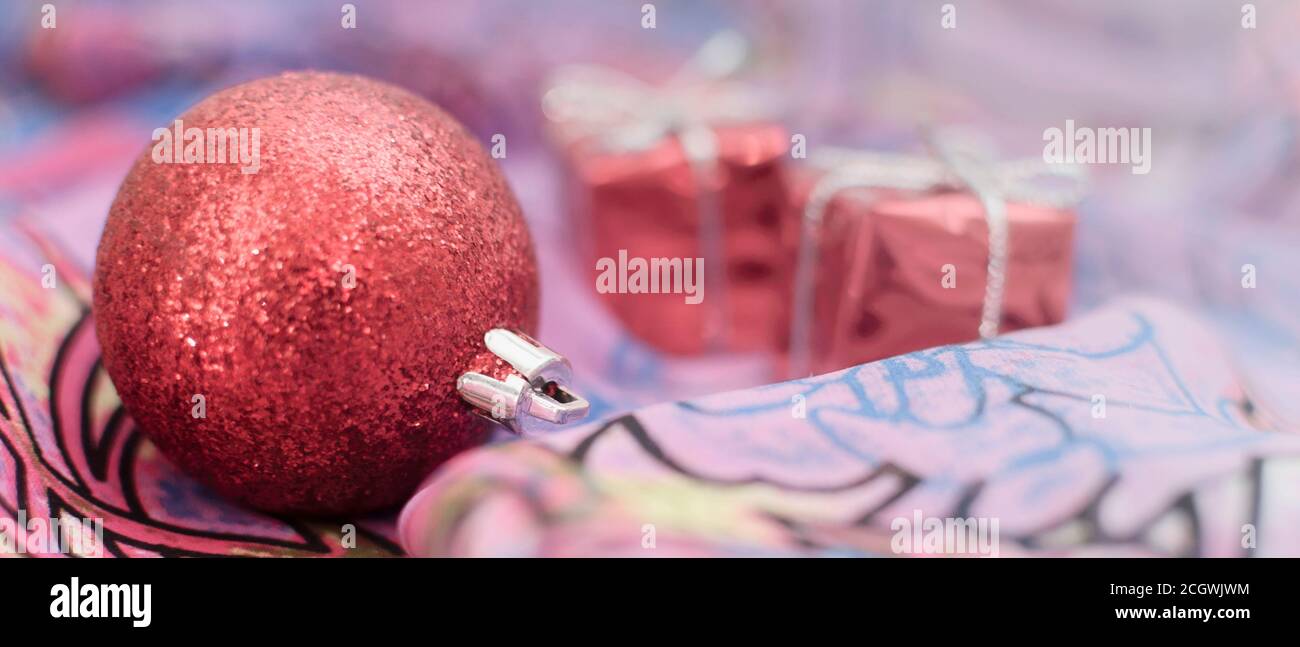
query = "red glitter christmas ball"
{"x": 286, "y": 317}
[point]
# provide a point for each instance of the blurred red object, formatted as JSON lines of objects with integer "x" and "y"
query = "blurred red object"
{"x": 105, "y": 52}
{"x": 656, "y": 204}
{"x": 678, "y": 179}
{"x": 92, "y": 58}
{"x": 899, "y": 271}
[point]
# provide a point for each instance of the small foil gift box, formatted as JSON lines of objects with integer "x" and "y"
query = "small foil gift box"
{"x": 896, "y": 253}
{"x": 679, "y": 189}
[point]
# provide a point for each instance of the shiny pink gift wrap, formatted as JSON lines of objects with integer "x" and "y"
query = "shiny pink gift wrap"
{"x": 649, "y": 204}
{"x": 881, "y": 260}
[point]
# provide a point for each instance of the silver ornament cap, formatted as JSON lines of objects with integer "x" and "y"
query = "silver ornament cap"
{"x": 537, "y": 392}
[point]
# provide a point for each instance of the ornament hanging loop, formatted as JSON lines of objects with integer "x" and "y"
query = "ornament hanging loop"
{"x": 537, "y": 391}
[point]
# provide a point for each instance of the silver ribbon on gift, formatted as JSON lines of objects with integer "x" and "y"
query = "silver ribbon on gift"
{"x": 625, "y": 114}
{"x": 959, "y": 162}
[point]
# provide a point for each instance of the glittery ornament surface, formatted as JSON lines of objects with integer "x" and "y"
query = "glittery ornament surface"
{"x": 323, "y": 306}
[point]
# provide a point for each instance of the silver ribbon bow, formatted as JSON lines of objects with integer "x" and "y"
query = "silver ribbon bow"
{"x": 958, "y": 163}
{"x": 627, "y": 114}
